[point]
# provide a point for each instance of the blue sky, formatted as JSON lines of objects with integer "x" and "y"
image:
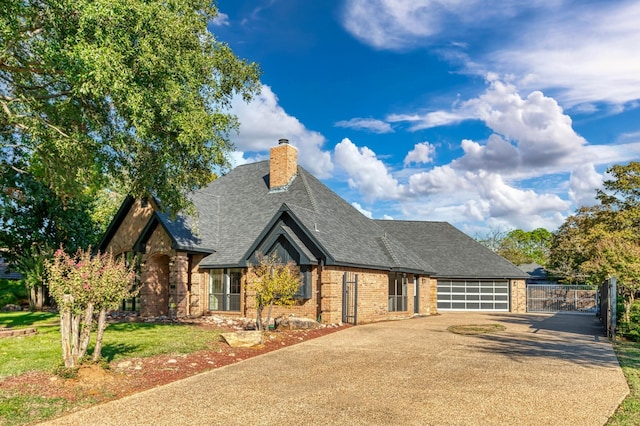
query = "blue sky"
{"x": 490, "y": 115}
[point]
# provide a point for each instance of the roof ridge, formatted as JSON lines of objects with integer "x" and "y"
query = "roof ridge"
{"x": 307, "y": 189}
{"x": 387, "y": 247}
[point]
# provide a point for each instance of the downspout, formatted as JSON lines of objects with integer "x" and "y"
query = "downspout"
{"x": 189, "y": 267}
{"x": 319, "y": 292}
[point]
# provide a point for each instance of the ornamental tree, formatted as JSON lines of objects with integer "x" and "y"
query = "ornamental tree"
{"x": 136, "y": 91}
{"x": 274, "y": 283}
{"x": 85, "y": 287}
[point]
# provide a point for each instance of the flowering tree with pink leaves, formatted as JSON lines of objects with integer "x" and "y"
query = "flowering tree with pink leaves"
{"x": 85, "y": 287}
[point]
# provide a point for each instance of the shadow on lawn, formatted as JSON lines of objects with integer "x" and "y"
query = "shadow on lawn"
{"x": 28, "y": 319}
{"x": 110, "y": 350}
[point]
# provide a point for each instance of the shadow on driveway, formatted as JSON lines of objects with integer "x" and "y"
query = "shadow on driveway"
{"x": 541, "y": 370}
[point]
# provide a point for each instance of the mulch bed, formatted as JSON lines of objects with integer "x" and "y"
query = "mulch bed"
{"x": 94, "y": 385}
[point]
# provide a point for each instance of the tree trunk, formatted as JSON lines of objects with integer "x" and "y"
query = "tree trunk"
{"x": 102, "y": 324}
{"x": 32, "y": 298}
{"x": 269, "y": 315}
{"x": 259, "y": 309}
{"x": 85, "y": 332}
{"x": 39, "y": 298}
{"x": 75, "y": 338}
{"x": 65, "y": 332}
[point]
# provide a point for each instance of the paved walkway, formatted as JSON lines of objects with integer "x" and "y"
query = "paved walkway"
{"x": 542, "y": 370}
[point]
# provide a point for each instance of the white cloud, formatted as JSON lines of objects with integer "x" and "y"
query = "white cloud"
{"x": 544, "y": 134}
{"x": 431, "y": 119}
{"x": 583, "y": 184}
{"x": 366, "y": 172}
{"x": 368, "y": 124}
{"x": 439, "y": 180}
{"x": 422, "y": 152}
{"x": 386, "y": 25}
{"x": 588, "y": 53}
{"x": 513, "y": 203}
{"x": 585, "y": 54}
{"x": 222, "y": 19}
{"x": 496, "y": 155}
{"x": 362, "y": 210}
{"x": 263, "y": 122}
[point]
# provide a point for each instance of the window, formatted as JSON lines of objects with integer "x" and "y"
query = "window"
{"x": 132, "y": 304}
{"x": 397, "y": 292}
{"x": 224, "y": 289}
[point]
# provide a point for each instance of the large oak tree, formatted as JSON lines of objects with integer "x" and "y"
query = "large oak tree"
{"x": 134, "y": 90}
{"x": 100, "y": 93}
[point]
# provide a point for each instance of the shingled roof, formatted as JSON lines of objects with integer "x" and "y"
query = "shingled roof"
{"x": 451, "y": 253}
{"x": 239, "y": 215}
{"x": 238, "y": 210}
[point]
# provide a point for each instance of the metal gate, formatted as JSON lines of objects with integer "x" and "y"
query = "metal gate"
{"x": 561, "y": 298}
{"x": 350, "y": 298}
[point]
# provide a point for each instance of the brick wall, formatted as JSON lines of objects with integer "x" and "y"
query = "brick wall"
{"x": 427, "y": 295}
{"x": 373, "y": 295}
{"x": 130, "y": 229}
{"x": 283, "y": 165}
{"x": 307, "y": 308}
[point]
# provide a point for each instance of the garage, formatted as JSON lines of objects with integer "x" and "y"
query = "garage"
{"x": 473, "y": 295}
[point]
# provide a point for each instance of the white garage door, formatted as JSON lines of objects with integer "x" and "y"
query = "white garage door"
{"x": 473, "y": 295}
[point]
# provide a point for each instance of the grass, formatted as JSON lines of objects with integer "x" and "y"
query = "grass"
{"x": 628, "y": 413}
{"x": 42, "y": 352}
{"x": 39, "y": 352}
{"x": 476, "y": 329}
{"x": 15, "y": 409}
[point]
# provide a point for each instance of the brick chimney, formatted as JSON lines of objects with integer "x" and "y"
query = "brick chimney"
{"x": 283, "y": 165}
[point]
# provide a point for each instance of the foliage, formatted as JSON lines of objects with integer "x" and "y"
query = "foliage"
{"x": 33, "y": 221}
{"x": 274, "y": 283}
{"x": 491, "y": 239}
{"x": 12, "y": 292}
{"x": 631, "y": 329}
{"x": 81, "y": 285}
{"x": 134, "y": 90}
{"x": 518, "y": 246}
{"x": 604, "y": 240}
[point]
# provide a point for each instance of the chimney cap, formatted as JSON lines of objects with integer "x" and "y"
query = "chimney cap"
{"x": 283, "y": 141}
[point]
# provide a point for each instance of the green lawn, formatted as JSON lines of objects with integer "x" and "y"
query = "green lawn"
{"x": 628, "y": 413}
{"x": 42, "y": 351}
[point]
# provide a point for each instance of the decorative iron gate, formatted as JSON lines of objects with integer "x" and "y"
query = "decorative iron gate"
{"x": 350, "y": 298}
{"x": 561, "y": 298}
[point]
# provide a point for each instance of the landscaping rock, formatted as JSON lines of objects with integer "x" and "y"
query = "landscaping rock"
{"x": 243, "y": 339}
{"x": 296, "y": 323}
{"x": 11, "y": 308}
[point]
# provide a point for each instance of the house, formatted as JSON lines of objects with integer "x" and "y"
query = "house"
{"x": 353, "y": 268}
{"x": 536, "y": 273}
{"x": 6, "y": 273}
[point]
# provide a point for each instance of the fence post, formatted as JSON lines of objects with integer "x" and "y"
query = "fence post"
{"x": 613, "y": 301}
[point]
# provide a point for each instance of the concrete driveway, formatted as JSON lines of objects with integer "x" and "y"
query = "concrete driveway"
{"x": 541, "y": 370}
